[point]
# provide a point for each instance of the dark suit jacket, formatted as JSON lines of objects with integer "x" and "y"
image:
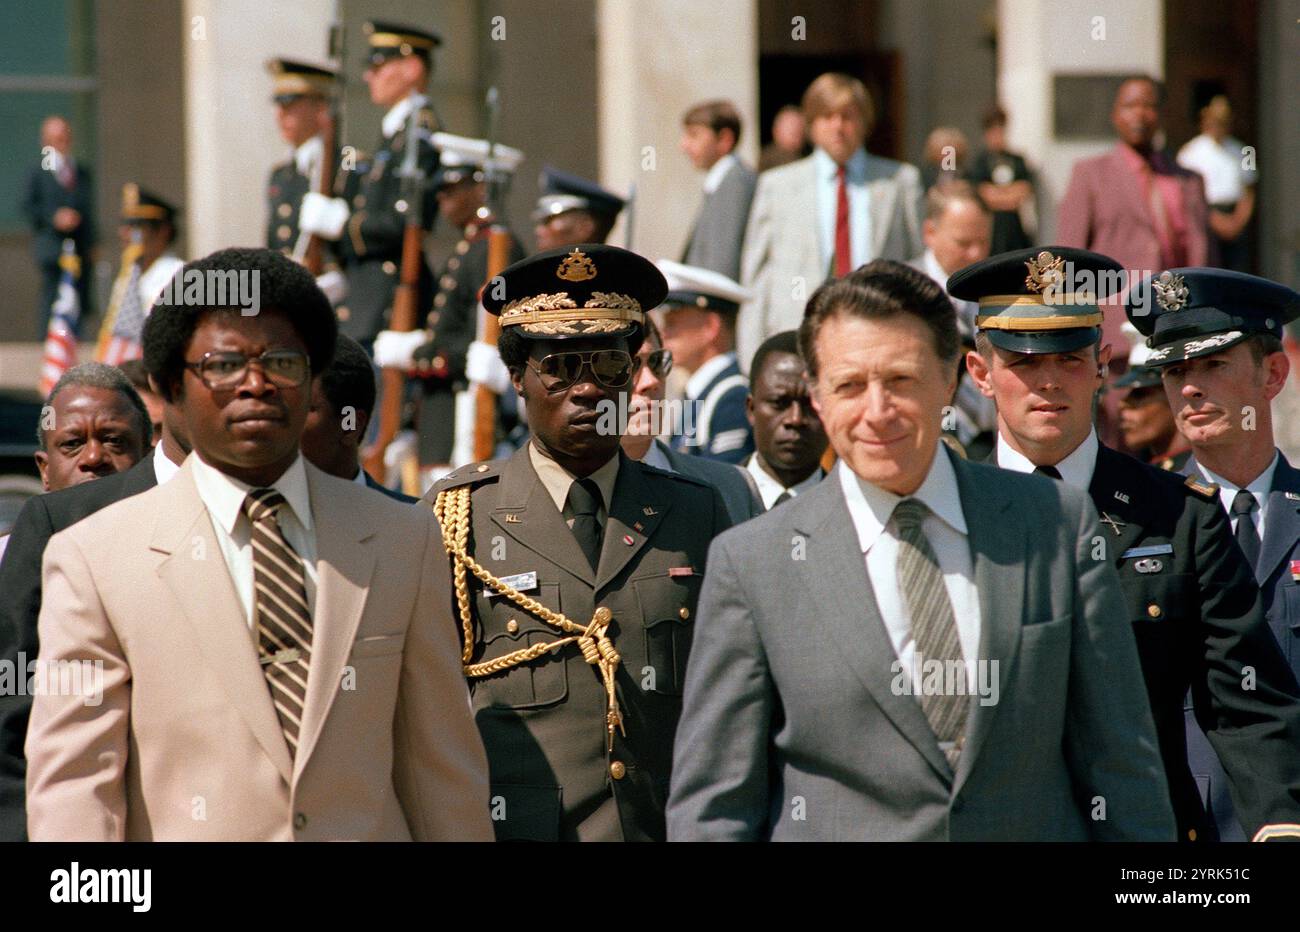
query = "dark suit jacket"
{"x": 737, "y": 489}
{"x": 543, "y": 722}
{"x": 42, "y": 196}
{"x": 391, "y": 493}
{"x": 20, "y": 580}
{"x": 719, "y": 229}
{"x": 1281, "y": 595}
{"x": 1199, "y": 621}
{"x": 794, "y": 726}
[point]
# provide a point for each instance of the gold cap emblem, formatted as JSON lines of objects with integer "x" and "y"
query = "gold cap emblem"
{"x": 1171, "y": 291}
{"x": 1046, "y": 271}
{"x": 576, "y": 267}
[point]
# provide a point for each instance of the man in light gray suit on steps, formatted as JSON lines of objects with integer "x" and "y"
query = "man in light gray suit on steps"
{"x": 824, "y": 215}
{"x": 919, "y": 648}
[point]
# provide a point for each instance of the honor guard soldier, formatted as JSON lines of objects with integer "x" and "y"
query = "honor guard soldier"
{"x": 1216, "y": 337}
{"x": 368, "y": 225}
{"x": 699, "y": 319}
{"x": 301, "y": 94}
{"x": 576, "y": 569}
{"x": 1145, "y": 421}
{"x": 1194, "y": 606}
{"x": 573, "y": 210}
{"x": 437, "y": 354}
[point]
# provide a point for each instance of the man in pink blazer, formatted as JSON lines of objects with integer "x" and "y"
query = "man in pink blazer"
{"x": 254, "y": 650}
{"x": 1134, "y": 203}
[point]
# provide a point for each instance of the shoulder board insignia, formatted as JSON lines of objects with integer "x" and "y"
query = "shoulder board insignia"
{"x": 467, "y": 475}
{"x": 1205, "y": 489}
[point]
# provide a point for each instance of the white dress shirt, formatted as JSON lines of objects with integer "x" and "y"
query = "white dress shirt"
{"x": 855, "y": 179}
{"x": 396, "y": 118}
{"x": 719, "y": 171}
{"x": 157, "y": 277}
{"x": 1219, "y": 163}
{"x": 770, "y": 488}
{"x": 1259, "y": 487}
{"x": 1076, "y": 469}
{"x": 871, "y": 509}
{"x": 224, "y": 496}
{"x": 656, "y": 457}
{"x": 163, "y": 468}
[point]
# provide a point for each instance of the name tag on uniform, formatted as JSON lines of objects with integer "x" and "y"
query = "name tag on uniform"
{"x": 1148, "y": 551}
{"x": 521, "y": 582}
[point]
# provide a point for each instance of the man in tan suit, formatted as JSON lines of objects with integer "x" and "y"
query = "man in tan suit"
{"x": 255, "y": 650}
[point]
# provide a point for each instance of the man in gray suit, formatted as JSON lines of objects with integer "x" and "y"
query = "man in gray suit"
{"x": 919, "y": 648}
{"x": 826, "y": 214}
{"x": 710, "y": 132}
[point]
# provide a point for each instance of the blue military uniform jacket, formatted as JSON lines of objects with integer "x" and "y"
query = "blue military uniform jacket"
{"x": 721, "y": 428}
{"x": 1281, "y": 590}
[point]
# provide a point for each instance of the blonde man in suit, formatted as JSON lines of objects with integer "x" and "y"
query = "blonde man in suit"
{"x": 265, "y": 651}
{"x": 826, "y": 214}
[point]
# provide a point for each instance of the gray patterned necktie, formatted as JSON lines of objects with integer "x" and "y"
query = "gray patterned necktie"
{"x": 284, "y": 627}
{"x": 934, "y": 631}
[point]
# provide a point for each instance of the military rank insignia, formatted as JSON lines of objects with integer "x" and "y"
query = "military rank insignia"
{"x": 1295, "y": 570}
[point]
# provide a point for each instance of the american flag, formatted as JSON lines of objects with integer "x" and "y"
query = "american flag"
{"x": 61, "y": 336}
{"x": 119, "y": 339}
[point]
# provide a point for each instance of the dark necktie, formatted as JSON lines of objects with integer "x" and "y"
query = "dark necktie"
{"x": 584, "y": 501}
{"x": 782, "y": 499}
{"x": 284, "y": 624}
{"x": 843, "y": 247}
{"x": 1247, "y": 537}
{"x": 1050, "y": 472}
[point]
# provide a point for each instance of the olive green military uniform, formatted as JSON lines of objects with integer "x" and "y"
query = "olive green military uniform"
{"x": 557, "y": 772}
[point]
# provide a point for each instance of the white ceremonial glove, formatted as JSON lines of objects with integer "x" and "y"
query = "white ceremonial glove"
{"x": 483, "y": 365}
{"x": 395, "y": 349}
{"x": 323, "y": 216}
{"x": 334, "y": 285}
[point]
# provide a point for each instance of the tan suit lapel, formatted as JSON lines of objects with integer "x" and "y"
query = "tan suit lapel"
{"x": 196, "y": 573}
{"x": 345, "y": 561}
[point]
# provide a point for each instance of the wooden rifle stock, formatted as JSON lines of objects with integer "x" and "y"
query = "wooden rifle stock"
{"x": 313, "y": 258}
{"x": 394, "y": 380}
{"x": 485, "y": 400}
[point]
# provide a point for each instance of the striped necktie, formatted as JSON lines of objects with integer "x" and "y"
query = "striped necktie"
{"x": 280, "y": 605}
{"x": 934, "y": 630}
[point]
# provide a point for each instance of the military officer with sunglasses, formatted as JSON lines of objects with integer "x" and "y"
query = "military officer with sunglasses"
{"x": 575, "y": 569}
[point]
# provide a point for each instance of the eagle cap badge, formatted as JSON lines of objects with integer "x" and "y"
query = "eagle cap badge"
{"x": 1046, "y": 273}
{"x": 576, "y": 267}
{"x": 1171, "y": 291}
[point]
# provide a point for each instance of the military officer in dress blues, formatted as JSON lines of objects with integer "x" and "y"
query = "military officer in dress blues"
{"x": 573, "y": 210}
{"x": 436, "y": 355}
{"x": 577, "y": 568}
{"x": 368, "y": 223}
{"x": 301, "y": 93}
{"x": 1197, "y": 614}
{"x": 699, "y": 326}
{"x": 1216, "y": 337}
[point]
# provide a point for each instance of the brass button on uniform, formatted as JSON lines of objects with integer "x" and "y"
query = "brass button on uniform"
{"x": 453, "y": 263}
{"x": 1191, "y": 834}
{"x": 617, "y": 770}
{"x": 342, "y": 312}
{"x": 684, "y": 612}
{"x": 389, "y": 267}
{"x": 603, "y": 615}
{"x": 283, "y": 210}
{"x": 512, "y": 627}
{"x": 439, "y": 299}
{"x": 1154, "y": 610}
{"x": 283, "y": 231}
{"x": 447, "y": 281}
{"x": 461, "y": 248}
{"x": 300, "y": 820}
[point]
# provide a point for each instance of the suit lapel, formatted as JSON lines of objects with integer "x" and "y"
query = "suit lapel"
{"x": 526, "y": 512}
{"x": 1282, "y": 519}
{"x": 999, "y": 560}
{"x": 345, "y": 561}
{"x": 634, "y": 515}
{"x": 806, "y": 189}
{"x": 195, "y": 571}
{"x": 1117, "y": 528}
{"x": 836, "y": 575}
